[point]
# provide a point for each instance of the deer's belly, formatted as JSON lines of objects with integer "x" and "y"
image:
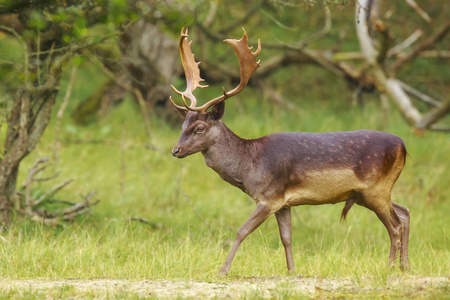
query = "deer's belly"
{"x": 323, "y": 187}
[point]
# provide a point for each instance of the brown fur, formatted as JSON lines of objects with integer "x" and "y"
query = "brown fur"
{"x": 292, "y": 168}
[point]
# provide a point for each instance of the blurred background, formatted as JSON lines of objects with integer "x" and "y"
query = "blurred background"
{"x": 87, "y": 128}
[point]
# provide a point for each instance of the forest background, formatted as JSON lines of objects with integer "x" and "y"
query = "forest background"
{"x": 88, "y": 186}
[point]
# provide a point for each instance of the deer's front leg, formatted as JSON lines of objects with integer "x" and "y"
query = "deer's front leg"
{"x": 284, "y": 225}
{"x": 261, "y": 213}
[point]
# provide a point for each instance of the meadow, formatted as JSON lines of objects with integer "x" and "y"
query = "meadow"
{"x": 161, "y": 218}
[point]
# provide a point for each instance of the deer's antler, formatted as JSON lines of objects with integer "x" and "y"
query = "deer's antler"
{"x": 191, "y": 71}
{"x": 247, "y": 63}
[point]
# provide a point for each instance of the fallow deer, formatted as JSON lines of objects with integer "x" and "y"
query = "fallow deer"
{"x": 287, "y": 169}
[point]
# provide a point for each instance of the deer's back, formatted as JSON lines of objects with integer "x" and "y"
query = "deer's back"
{"x": 359, "y": 150}
{"x": 291, "y": 159}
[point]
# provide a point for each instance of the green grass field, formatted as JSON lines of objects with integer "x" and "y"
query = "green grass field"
{"x": 193, "y": 215}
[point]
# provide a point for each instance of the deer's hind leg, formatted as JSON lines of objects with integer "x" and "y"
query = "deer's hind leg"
{"x": 284, "y": 225}
{"x": 380, "y": 203}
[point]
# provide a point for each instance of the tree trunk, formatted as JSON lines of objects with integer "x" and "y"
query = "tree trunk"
{"x": 7, "y": 197}
{"x": 150, "y": 58}
{"x": 28, "y": 119}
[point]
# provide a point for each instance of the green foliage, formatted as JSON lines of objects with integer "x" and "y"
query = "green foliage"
{"x": 36, "y": 21}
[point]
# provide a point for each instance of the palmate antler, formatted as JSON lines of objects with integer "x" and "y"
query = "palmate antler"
{"x": 191, "y": 70}
{"x": 247, "y": 63}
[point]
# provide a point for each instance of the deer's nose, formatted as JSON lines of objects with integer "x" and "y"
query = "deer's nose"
{"x": 175, "y": 151}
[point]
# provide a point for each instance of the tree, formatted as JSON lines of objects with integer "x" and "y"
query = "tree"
{"x": 49, "y": 34}
{"x": 368, "y": 21}
{"x": 368, "y": 71}
{"x": 145, "y": 66}
{"x": 144, "y": 62}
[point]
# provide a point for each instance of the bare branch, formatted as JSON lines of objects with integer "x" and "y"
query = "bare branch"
{"x": 324, "y": 31}
{"x": 419, "y": 10}
{"x": 359, "y": 55}
{"x": 78, "y": 48}
{"x": 324, "y": 59}
{"x": 39, "y": 219}
{"x": 277, "y": 61}
{"x": 309, "y": 39}
{"x": 348, "y": 56}
{"x": 435, "y": 54}
{"x": 238, "y": 23}
{"x": 146, "y": 222}
{"x": 35, "y": 169}
{"x": 67, "y": 214}
{"x": 211, "y": 14}
{"x": 53, "y": 191}
{"x": 41, "y": 179}
{"x": 139, "y": 219}
{"x": 434, "y": 115}
{"x": 54, "y": 74}
{"x": 419, "y": 95}
{"x": 127, "y": 87}
{"x": 436, "y": 37}
{"x": 60, "y": 201}
{"x": 278, "y": 22}
{"x": 272, "y": 94}
{"x": 437, "y": 127}
{"x": 79, "y": 206}
{"x": 362, "y": 31}
{"x": 406, "y": 43}
{"x": 396, "y": 92}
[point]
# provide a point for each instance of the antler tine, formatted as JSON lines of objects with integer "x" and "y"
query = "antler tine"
{"x": 191, "y": 71}
{"x": 175, "y": 105}
{"x": 248, "y": 65}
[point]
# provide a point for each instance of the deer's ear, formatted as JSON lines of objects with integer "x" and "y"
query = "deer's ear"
{"x": 218, "y": 110}
{"x": 181, "y": 112}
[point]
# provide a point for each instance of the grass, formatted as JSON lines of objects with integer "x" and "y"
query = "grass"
{"x": 194, "y": 215}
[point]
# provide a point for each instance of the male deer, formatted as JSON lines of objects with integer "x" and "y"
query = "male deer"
{"x": 287, "y": 169}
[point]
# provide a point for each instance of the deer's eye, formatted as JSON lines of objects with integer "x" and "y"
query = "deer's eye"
{"x": 200, "y": 129}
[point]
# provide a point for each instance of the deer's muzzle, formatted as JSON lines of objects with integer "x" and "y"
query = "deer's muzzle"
{"x": 175, "y": 151}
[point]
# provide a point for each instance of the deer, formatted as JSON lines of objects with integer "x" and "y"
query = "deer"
{"x": 286, "y": 169}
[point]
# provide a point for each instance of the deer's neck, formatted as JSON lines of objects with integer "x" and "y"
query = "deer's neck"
{"x": 227, "y": 156}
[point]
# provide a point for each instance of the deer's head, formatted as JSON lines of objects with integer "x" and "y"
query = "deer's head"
{"x": 200, "y": 130}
